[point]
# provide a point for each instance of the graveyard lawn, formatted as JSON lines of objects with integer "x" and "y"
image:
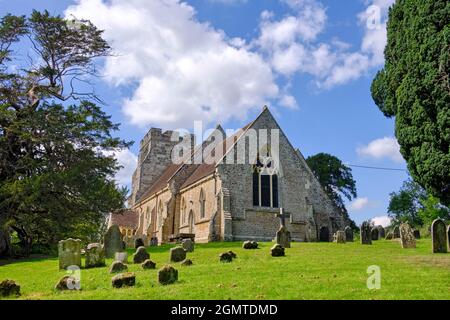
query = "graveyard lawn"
{"x": 308, "y": 271}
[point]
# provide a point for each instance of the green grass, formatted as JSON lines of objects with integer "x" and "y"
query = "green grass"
{"x": 309, "y": 271}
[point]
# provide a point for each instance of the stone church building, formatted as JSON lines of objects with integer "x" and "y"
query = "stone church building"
{"x": 225, "y": 199}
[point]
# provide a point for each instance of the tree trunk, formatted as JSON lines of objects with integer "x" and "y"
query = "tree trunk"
{"x": 5, "y": 244}
{"x": 25, "y": 240}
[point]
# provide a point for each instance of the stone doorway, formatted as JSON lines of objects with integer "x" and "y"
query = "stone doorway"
{"x": 324, "y": 234}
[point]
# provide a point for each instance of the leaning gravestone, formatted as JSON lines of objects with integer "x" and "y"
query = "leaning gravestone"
{"x": 121, "y": 256}
{"x": 250, "y": 245}
{"x": 396, "y": 232}
{"x": 148, "y": 264}
{"x": 407, "y": 236}
{"x": 381, "y": 232}
{"x": 438, "y": 236}
{"x": 141, "y": 255}
{"x": 124, "y": 280}
{"x": 69, "y": 253}
{"x": 177, "y": 254}
{"x": 188, "y": 245}
{"x": 277, "y": 251}
{"x": 95, "y": 256}
{"x": 366, "y": 234}
{"x": 284, "y": 237}
{"x": 340, "y": 237}
{"x": 113, "y": 241}
{"x": 348, "y": 234}
{"x": 375, "y": 234}
{"x": 118, "y": 266}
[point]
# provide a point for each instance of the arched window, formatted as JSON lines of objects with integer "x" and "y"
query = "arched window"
{"x": 202, "y": 201}
{"x": 183, "y": 211}
{"x": 160, "y": 213}
{"x": 265, "y": 183}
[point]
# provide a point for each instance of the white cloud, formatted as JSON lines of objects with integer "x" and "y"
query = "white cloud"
{"x": 291, "y": 43}
{"x": 383, "y": 221}
{"x": 386, "y": 147}
{"x": 128, "y": 161}
{"x": 359, "y": 204}
{"x": 183, "y": 70}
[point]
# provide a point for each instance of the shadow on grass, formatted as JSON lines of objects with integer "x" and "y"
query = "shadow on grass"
{"x": 31, "y": 258}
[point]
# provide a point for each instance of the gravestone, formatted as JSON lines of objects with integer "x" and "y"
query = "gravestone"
{"x": 69, "y": 253}
{"x": 250, "y": 245}
{"x": 366, "y": 234}
{"x": 140, "y": 255}
{"x": 226, "y": 257}
{"x": 416, "y": 234}
{"x": 277, "y": 251}
{"x": 148, "y": 264}
{"x": 381, "y": 232}
{"x": 283, "y": 234}
{"x": 340, "y": 237}
{"x": 118, "y": 266}
{"x": 188, "y": 245}
{"x": 438, "y": 236}
{"x": 396, "y": 232}
{"x": 407, "y": 236}
{"x": 67, "y": 283}
{"x": 177, "y": 254}
{"x": 375, "y": 234}
{"x": 113, "y": 241}
{"x": 123, "y": 280}
{"x": 167, "y": 275}
{"x": 95, "y": 256}
{"x": 9, "y": 288}
{"x": 139, "y": 243}
{"x": 121, "y": 256}
{"x": 348, "y": 234}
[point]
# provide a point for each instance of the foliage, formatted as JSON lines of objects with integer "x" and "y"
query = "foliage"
{"x": 55, "y": 178}
{"x": 405, "y": 204}
{"x": 336, "y": 179}
{"x": 432, "y": 210}
{"x": 414, "y": 86}
{"x": 329, "y": 271}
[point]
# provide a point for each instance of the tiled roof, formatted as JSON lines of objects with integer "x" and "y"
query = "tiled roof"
{"x": 125, "y": 218}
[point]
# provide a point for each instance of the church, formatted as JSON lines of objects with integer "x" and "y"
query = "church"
{"x": 234, "y": 194}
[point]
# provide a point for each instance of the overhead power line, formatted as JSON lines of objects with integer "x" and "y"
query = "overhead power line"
{"x": 376, "y": 168}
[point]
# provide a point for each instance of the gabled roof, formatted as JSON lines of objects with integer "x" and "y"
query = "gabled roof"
{"x": 125, "y": 218}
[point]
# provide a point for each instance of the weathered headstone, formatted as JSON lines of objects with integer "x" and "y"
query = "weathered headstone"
{"x": 188, "y": 245}
{"x": 113, "y": 241}
{"x": 283, "y": 234}
{"x": 141, "y": 255}
{"x": 277, "y": 251}
{"x": 138, "y": 243}
{"x": 67, "y": 283}
{"x": 340, "y": 237}
{"x": 381, "y": 232}
{"x": 187, "y": 263}
{"x": 95, "y": 256}
{"x": 250, "y": 245}
{"x": 118, "y": 266}
{"x": 225, "y": 257}
{"x": 374, "y": 234}
{"x": 69, "y": 253}
{"x": 167, "y": 275}
{"x": 177, "y": 254}
{"x": 348, "y": 234}
{"x": 124, "y": 280}
{"x": 438, "y": 236}
{"x": 365, "y": 232}
{"x": 9, "y": 288}
{"x": 148, "y": 264}
{"x": 396, "y": 232}
{"x": 416, "y": 234}
{"x": 407, "y": 236}
{"x": 121, "y": 256}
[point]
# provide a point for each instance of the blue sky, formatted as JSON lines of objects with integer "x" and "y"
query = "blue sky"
{"x": 311, "y": 61}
